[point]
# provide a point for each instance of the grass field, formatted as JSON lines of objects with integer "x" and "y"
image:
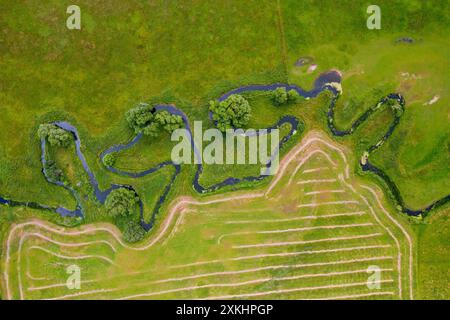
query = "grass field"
{"x": 188, "y": 52}
{"x": 298, "y": 238}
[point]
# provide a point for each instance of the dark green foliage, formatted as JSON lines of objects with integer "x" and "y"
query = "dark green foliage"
{"x": 280, "y": 96}
{"x": 233, "y": 112}
{"x": 152, "y": 130}
{"x": 56, "y": 136}
{"x": 52, "y": 172}
{"x": 168, "y": 121}
{"x": 139, "y": 118}
{"x": 110, "y": 159}
{"x": 121, "y": 202}
{"x": 293, "y": 96}
{"x": 144, "y": 119}
{"x": 133, "y": 231}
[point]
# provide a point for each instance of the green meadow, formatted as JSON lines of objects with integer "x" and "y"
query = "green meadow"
{"x": 189, "y": 52}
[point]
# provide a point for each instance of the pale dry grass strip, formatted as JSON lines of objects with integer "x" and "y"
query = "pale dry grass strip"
{"x": 317, "y": 181}
{"x": 280, "y": 291}
{"x": 62, "y": 256}
{"x": 354, "y": 296}
{"x": 274, "y": 267}
{"x": 244, "y": 283}
{"x": 324, "y": 216}
{"x": 311, "y": 193}
{"x": 405, "y": 233}
{"x": 302, "y": 229}
{"x": 319, "y": 204}
{"x": 288, "y": 243}
{"x": 316, "y": 169}
{"x": 282, "y": 254}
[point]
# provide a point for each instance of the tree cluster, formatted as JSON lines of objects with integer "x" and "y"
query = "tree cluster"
{"x": 144, "y": 119}
{"x": 233, "y": 112}
{"x": 133, "y": 231}
{"x": 281, "y": 96}
{"x": 55, "y": 135}
{"x": 52, "y": 172}
{"x": 110, "y": 159}
{"x": 121, "y": 202}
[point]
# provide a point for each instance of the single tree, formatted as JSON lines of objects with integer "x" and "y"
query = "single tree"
{"x": 110, "y": 159}
{"x": 121, "y": 202}
{"x": 233, "y": 112}
{"x": 52, "y": 172}
{"x": 168, "y": 121}
{"x": 293, "y": 96}
{"x": 133, "y": 231}
{"x": 139, "y": 118}
{"x": 56, "y": 136}
{"x": 279, "y": 96}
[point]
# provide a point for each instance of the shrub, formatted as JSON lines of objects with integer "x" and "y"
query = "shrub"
{"x": 279, "y": 96}
{"x": 110, "y": 159}
{"x": 121, "y": 202}
{"x": 139, "y": 118}
{"x": 168, "y": 121}
{"x": 56, "y": 136}
{"x": 133, "y": 231}
{"x": 293, "y": 96}
{"x": 233, "y": 112}
{"x": 144, "y": 119}
{"x": 52, "y": 172}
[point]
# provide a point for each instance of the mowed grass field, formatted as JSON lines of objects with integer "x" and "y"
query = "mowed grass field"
{"x": 191, "y": 51}
{"x": 300, "y": 237}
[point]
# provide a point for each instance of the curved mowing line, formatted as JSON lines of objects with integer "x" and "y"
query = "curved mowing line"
{"x": 318, "y": 204}
{"x": 282, "y": 254}
{"x": 57, "y": 285}
{"x": 316, "y": 169}
{"x": 62, "y": 256}
{"x": 345, "y": 214}
{"x": 306, "y": 142}
{"x": 234, "y": 259}
{"x": 306, "y": 158}
{"x": 74, "y": 295}
{"x": 244, "y": 283}
{"x": 31, "y": 277}
{"x": 343, "y": 226}
{"x": 399, "y": 253}
{"x": 278, "y": 244}
{"x": 353, "y": 296}
{"x": 405, "y": 233}
{"x": 227, "y": 273}
{"x": 265, "y": 293}
{"x": 211, "y": 285}
{"x": 316, "y": 181}
{"x": 311, "y": 193}
{"x": 276, "y": 267}
{"x": 65, "y": 244}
